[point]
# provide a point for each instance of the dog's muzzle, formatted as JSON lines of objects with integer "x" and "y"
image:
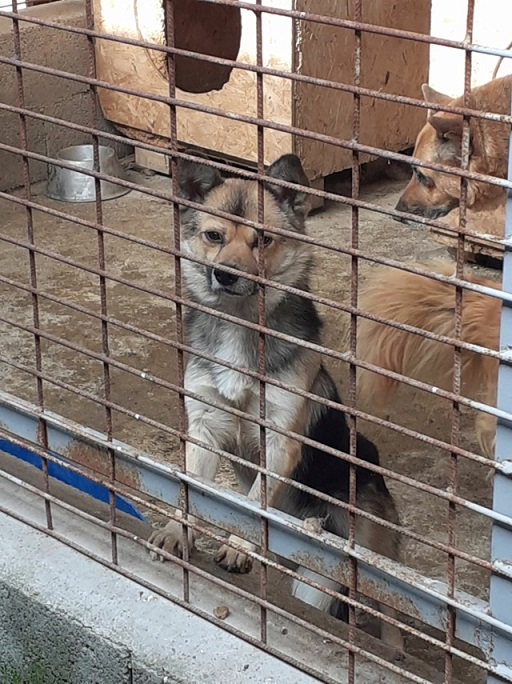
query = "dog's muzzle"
{"x": 417, "y": 210}
{"x": 230, "y": 283}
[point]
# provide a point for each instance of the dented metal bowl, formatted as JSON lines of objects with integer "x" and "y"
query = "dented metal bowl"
{"x": 66, "y": 185}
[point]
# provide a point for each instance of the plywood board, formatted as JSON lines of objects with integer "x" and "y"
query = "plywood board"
{"x": 144, "y": 69}
{"x": 308, "y": 48}
{"x": 387, "y": 64}
{"x": 153, "y": 160}
{"x": 474, "y": 249}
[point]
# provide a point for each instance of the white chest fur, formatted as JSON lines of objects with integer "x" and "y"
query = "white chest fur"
{"x": 233, "y": 385}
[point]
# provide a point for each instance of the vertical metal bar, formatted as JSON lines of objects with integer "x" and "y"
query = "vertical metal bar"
{"x": 356, "y": 129}
{"x": 261, "y": 318}
{"x": 500, "y": 595}
{"x": 457, "y": 355}
{"x": 42, "y": 431}
{"x": 93, "y": 104}
{"x": 170, "y": 41}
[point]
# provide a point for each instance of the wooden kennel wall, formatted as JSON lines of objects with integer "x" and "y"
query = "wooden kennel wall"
{"x": 388, "y": 64}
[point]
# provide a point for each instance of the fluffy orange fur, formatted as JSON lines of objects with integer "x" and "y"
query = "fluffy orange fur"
{"x": 429, "y": 305}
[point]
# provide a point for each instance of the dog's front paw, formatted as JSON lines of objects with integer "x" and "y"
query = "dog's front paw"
{"x": 315, "y": 525}
{"x": 170, "y": 539}
{"x": 232, "y": 560}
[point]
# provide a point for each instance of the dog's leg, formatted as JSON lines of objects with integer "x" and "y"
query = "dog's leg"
{"x": 485, "y": 424}
{"x": 368, "y": 534}
{"x": 386, "y": 542}
{"x": 213, "y": 427}
{"x": 283, "y": 453}
{"x": 485, "y": 427}
{"x": 312, "y": 596}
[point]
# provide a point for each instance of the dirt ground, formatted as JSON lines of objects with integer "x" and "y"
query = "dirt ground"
{"x": 145, "y": 217}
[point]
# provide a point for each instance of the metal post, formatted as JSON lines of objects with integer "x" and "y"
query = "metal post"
{"x": 500, "y": 598}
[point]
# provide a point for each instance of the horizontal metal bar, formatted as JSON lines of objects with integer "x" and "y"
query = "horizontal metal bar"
{"x": 504, "y": 467}
{"x": 345, "y": 356}
{"x": 227, "y": 589}
{"x": 7, "y": 402}
{"x": 498, "y": 413}
{"x": 503, "y": 354}
{"x": 106, "y": 525}
{"x": 440, "y": 493}
{"x": 409, "y": 268}
{"x": 62, "y": 473}
{"x": 280, "y": 73}
{"x": 464, "y": 401}
{"x": 410, "y": 592}
{"x": 242, "y": 118}
{"x": 359, "y": 26}
{"x": 262, "y": 9}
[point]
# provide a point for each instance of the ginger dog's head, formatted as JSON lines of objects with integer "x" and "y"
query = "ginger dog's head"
{"x": 430, "y": 193}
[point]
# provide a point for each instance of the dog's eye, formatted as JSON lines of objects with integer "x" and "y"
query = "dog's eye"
{"x": 214, "y": 236}
{"x": 422, "y": 179}
{"x": 267, "y": 240}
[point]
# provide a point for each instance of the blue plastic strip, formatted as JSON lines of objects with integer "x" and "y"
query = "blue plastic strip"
{"x": 68, "y": 477}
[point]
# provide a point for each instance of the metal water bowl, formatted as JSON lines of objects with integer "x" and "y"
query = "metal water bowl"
{"x": 66, "y": 185}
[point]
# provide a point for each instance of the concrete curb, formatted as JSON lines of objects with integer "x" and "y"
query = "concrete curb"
{"x": 66, "y": 619}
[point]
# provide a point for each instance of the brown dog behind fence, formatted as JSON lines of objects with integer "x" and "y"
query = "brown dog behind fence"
{"x": 429, "y": 305}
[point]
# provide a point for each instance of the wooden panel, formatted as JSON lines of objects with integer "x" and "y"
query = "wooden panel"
{"x": 322, "y": 51}
{"x": 140, "y": 68}
{"x": 388, "y": 64}
{"x": 153, "y": 160}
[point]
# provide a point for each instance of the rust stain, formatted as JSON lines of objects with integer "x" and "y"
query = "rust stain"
{"x": 99, "y": 461}
{"x": 378, "y": 591}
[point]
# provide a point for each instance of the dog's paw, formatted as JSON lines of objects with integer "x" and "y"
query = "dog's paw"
{"x": 233, "y": 560}
{"x": 170, "y": 539}
{"x": 315, "y": 525}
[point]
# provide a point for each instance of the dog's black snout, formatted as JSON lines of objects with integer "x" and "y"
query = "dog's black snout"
{"x": 224, "y": 278}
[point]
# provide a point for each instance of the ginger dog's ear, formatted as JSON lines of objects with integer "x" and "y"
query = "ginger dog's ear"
{"x": 448, "y": 126}
{"x": 449, "y": 132}
{"x": 435, "y": 97}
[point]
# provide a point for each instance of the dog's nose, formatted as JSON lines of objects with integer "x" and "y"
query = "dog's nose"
{"x": 224, "y": 278}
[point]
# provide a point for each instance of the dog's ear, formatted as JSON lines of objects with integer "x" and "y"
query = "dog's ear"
{"x": 447, "y": 126}
{"x": 449, "y": 132}
{"x": 195, "y": 181}
{"x": 288, "y": 168}
{"x": 449, "y": 129}
{"x": 435, "y": 97}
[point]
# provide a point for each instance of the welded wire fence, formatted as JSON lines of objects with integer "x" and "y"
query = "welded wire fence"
{"x": 97, "y": 323}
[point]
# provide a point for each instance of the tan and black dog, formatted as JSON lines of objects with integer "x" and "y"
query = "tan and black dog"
{"x": 221, "y": 244}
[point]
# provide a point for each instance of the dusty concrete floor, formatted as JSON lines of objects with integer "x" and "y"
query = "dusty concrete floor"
{"x": 149, "y": 218}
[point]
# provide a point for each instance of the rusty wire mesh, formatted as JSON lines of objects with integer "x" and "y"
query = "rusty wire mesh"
{"x": 104, "y": 403}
